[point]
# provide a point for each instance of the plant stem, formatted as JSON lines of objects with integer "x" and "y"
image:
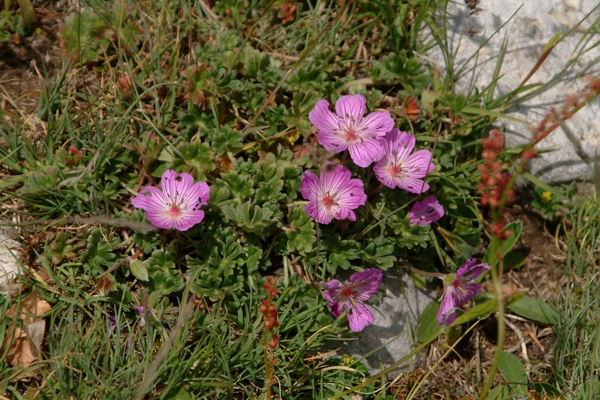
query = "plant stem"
{"x": 497, "y": 281}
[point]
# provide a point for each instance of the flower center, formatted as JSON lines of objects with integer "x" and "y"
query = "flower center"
{"x": 328, "y": 201}
{"x": 351, "y": 135}
{"x": 346, "y": 292}
{"x": 174, "y": 212}
{"x": 395, "y": 170}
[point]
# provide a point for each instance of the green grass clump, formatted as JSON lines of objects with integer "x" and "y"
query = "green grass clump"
{"x": 576, "y": 354}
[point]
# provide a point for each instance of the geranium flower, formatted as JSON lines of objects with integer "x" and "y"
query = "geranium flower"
{"x": 426, "y": 211}
{"x": 333, "y": 194}
{"x": 352, "y": 295}
{"x": 347, "y": 129}
{"x": 400, "y": 168}
{"x": 177, "y": 205}
{"x": 459, "y": 288}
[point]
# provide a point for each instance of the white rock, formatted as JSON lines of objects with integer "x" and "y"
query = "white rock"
{"x": 9, "y": 266}
{"x": 528, "y": 32}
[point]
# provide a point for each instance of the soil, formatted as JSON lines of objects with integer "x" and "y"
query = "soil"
{"x": 24, "y": 62}
{"x": 23, "y": 67}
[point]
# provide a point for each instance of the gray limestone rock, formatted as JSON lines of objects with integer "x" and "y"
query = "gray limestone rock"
{"x": 532, "y": 26}
{"x": 9, "y": 266}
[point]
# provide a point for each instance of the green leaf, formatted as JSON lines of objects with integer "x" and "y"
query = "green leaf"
{"x": 39, "y": 183}
{"x": 340, "y": 252}
{"x": 500, "y": 392}
{"x": 546, "y": 388}
{"x": 302, "y": 236}
{"x": 539, "y": 183}
{"x": 458, "y": 244}
{"x": 252, "y": 219}
{"x": 225, "y": 140}
{"x": 484, "y": 309}
{"x": 139, "y": 270}
{"x": 489, "y": 113}
{"x": 99, "y": 253}
{"x": 163, "y": 273}
{"x": 514, "y": 373}
{"x": 535, "y": 310}
{"x": 514, "y": 259}
{"x": 197, "y": 158}
{"x": 379, "y": 253}
{"x": 178, "y": 393}
{"x": 428, "y": 327}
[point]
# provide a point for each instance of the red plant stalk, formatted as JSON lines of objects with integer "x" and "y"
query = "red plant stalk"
{"x": 270, "y": 339}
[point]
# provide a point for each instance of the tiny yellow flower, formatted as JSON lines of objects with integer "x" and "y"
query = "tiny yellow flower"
{"x": 347, "y": 359}
{"x": 546, "y": 197}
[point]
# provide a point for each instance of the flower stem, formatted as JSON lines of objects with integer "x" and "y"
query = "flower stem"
{"x": 375, "y": 190}
{"x": 345, "y": 158}
{"x": 497, "y": 282}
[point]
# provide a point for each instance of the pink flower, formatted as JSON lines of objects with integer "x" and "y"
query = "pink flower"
{"x": 400, "y": 168}
{"x": 426, "y": 211}
{"x": 177, "y": 205}
{"x": 352, "y": 295}
{"x": 459, "y": 289}
{"x": 333, "y": 194}
{"x": 347, "y": 129}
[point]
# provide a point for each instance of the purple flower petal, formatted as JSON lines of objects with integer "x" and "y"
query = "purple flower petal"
{"x": 140, "y": 310}
{"x": 177, "y": 205}
{"x": 351, "y": 108}
{"x": 349, "y": 130}
{"x": 359, "y": 317}
{"x": 323, "y": 118}
{"x": 112, "y": 323}
{"x": 399, "y": 168}
{"x": 332, "y": 195}
{"x": 426, "y": 211}
{"x": 378, "y": 123}
{"x": 470, "y": 270}
{"x": 447, "y": 314}
{"x": 368, "y": 152}
{"x": 366, "y": 283}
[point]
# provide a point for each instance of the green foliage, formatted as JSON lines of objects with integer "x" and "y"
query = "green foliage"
{"x": 61, "y": 246}
{"x": 302, "y": 235}
{"x": 90, "y": 36}
{"x": 162, "y": 272}
{"x": 219, "y": 265}
{"x": 401, "y": 68}
{"x": 545, "y": 201}
{"x": 196, "y": 158}
{"x": 99, "y": 252}
{"x": 39, "y": 183}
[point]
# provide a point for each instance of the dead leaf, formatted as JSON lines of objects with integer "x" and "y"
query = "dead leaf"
{"x": 26, "y": 344}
